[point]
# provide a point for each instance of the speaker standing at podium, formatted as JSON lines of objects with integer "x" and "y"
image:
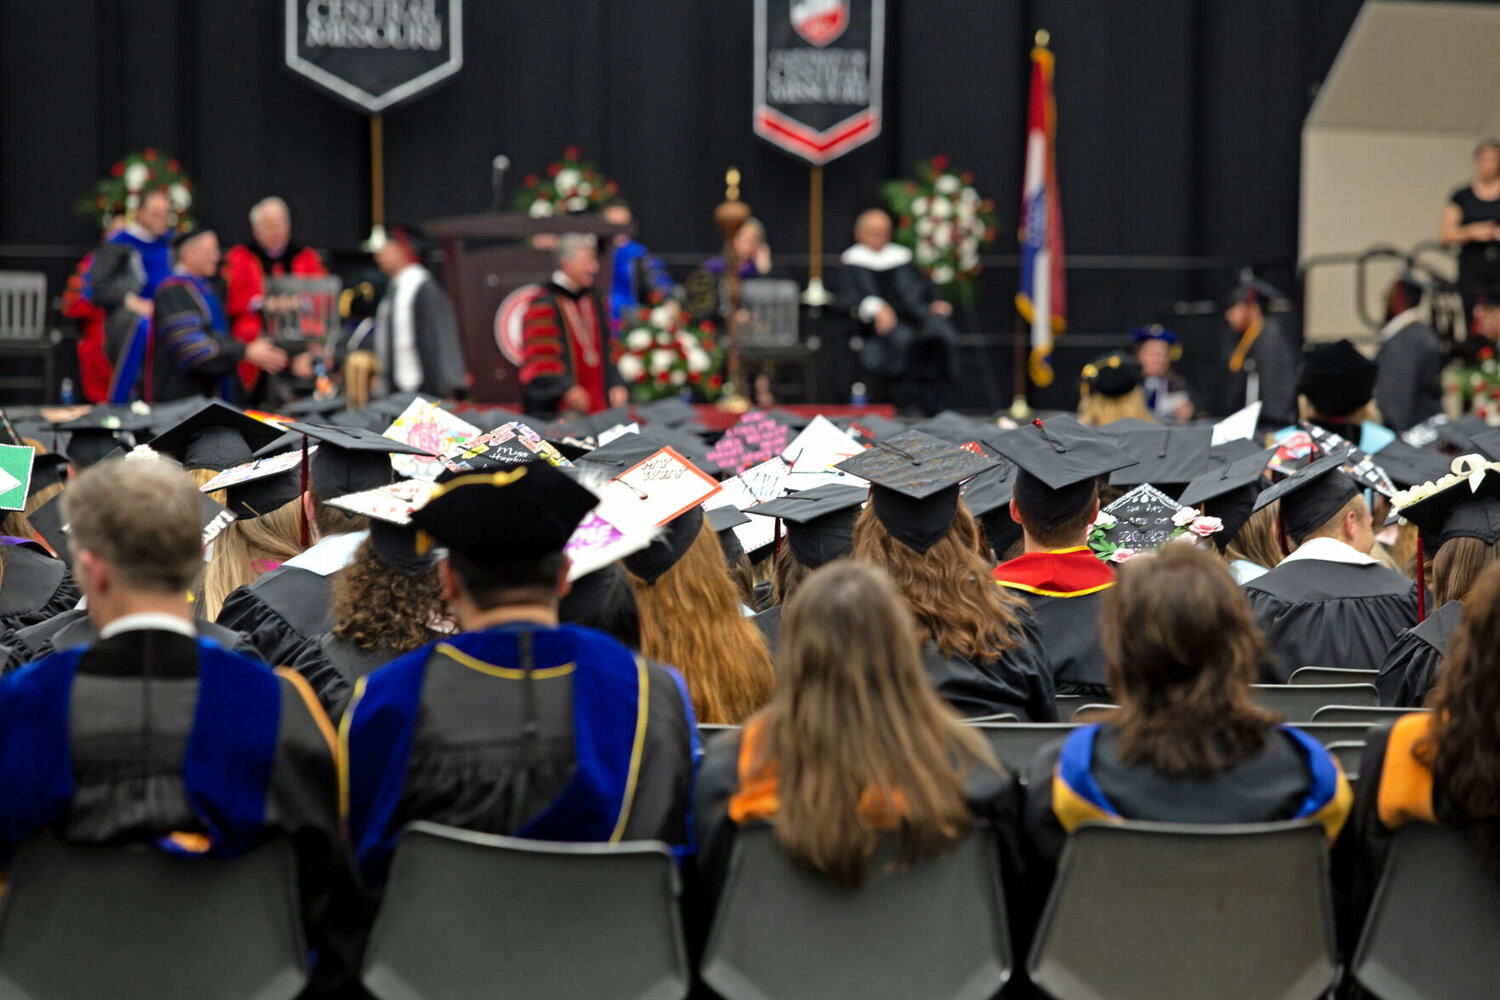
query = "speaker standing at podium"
{"x": 565, "y": 362}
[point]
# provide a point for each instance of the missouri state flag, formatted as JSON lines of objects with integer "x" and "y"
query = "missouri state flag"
{"x": 1042, "y": 299}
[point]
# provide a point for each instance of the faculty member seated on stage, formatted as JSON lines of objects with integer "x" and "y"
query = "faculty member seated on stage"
{"x": 909, "y": 341}
{"x": 565, "y": 364}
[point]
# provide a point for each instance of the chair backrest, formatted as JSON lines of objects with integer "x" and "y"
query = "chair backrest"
{"x": 1168, "y": 911}
{"x": 979, "y": 720}
{"x": 1350, "y": 754}
{"x": 1434, "y": 921}
{"x": 476, "y": 915}
{"x": 1093, "y": 712}
{"x": 1367, "y": 714}
{"x": 1066, "y": 702}
{"x": 1335, "y": 732}
{"x": 711, "y": 728}
{"x": 79, "y": 923}
{"x": 772, "y": 305}
{"x": 317, "y": 311}
{"x": 23, "y": 304}
{"x": 934, "y": 930}
{"x": 1016, "y": 743}
{"x": 1298, "y": 703}
{"x": 1332, "y": 675}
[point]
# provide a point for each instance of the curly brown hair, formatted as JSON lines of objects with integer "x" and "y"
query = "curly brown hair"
{"x": 1463, "y": 747}
{"x": 948, "y": 588}
{"x": 376, "y": 606}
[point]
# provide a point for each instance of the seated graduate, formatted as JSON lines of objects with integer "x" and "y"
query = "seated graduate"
{"x": 909, "y": 340}
{"x": 1433, "y": 767}
{"x": 1460, "y": 537}
{"x": 1328, "y": 603}
{"x": 741, "y": 572}
{"x": 604, "y": 601}
{"x": 980, "y": 645}
{"x": 854, "y": 747}
{"x": 1166, "y": 392}
{"x": 1056, "y": 500}
{"x": 149, "y": 734}
{"x": 1110, "y": 390}
{"x": 35, "y": 586}
{"x": 1229, "y": 493}
{"x": 1336, "y": 388}
{"x": 1188, "y": 744}
{"x": 1408, "y": 381}
{"x": 819, "y": 527}
{"x": 516, "y": 725}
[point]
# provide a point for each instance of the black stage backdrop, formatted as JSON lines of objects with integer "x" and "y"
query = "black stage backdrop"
{"x": 1179, "y": 122}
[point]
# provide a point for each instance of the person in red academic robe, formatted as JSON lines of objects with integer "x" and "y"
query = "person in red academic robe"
{"x": 270, "y": 253}
{"x": 94, "y": 365}
{"x": 565, "y": 354}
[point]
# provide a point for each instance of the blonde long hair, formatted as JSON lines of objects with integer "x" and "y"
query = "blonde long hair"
{"x": 1097, "y": 409}
{"x": 854, "y": 719}
{"x": 1256, "y": 540}
{"x": 690, "y": 618}
{"x": 242, "y": 548}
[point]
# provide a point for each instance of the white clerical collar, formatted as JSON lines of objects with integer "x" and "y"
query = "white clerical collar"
{"x": 1400, "y": 322}
{"x": 1325, "y": 549}
{"x": 563, "y": 281}
{"x": 135, "y": 229}
{"x": 153, "y": 621}
{"x": 411, "y": 274}
{"x": 889, "y": 256}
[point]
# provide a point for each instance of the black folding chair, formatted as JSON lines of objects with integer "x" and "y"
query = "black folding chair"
{"x": 935, "y": 930}
{"x": 1093, "y": 712}
{"x": 1162, "y": 911}
{"x": 1433, "y": 924}
{"x": 1349, "y": 754}
{"x": 1298, "y": 703}
{"x": 471, "y": 915}
{"x": 1332, "y": 675}
{"x": 1335, "y": 732}
{"x": 1016, "y": 744}
{"x": 1369, "y": 715}
{"x": 82, "y": 923}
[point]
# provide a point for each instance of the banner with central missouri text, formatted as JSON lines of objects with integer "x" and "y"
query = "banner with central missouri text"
{"x": 374, "y": 54}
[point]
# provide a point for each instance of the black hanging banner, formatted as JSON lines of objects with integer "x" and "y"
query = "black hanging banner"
{"x": 374, "y": 54}
{"x": 818, "y": 75}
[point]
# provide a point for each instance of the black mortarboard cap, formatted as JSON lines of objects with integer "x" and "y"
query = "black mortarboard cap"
{"x": 672, "y": 412}
{"x": 870, "y": 428}
{"x": 1233, "y": 451}
{"x": 1408, "y": 466}
{"x": 1456, "y": 512}
{"x": 1113, "y": 374}
{"x": 624, "y": 452}
{"x": 1461, "y": 433}
{"x": 988, "y": 497}
{"x": 46, "y": 468}
{"x": 1229, "y": 493}
{"x": 1487, "y": 444}
{"x": 538, "y": 507}
{"x": 48, "y": 522}
{"x": 687, "y": 444}
{"x": 392, "y": 406}
{"x": 1166, "y": 457}
{"x": 1311, "y": 496}
{"x": 1060, "y": 461}
{"x": 954, "y": 428}
{"x": 914, "y": 481}
{"x": 394, "y": 538}
{"x": 260, "y": 496}
{"x": 350, "y": 459}
{"x": 215, "y": 436}
{"x": 100, "y": 431}
{"x": 668, "y": 548}
{"x": 1336, "y": 378}
{"x": 724, "y": 520}
{"x": 795, "y": 421}
{"x": 819, "y": 522}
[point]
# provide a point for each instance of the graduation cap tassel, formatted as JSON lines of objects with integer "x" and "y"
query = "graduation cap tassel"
{"x": 305, "y": 534}
{"x": 1057, "y": 447}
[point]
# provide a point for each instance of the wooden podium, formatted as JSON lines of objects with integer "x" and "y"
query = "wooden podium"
{"x": 485, "y": 259}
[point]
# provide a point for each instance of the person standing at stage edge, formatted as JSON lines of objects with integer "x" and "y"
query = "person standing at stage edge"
{"x": 416, "y": 339}
{"x": 565, "y": 353}
{"x": 1267, "y": 356}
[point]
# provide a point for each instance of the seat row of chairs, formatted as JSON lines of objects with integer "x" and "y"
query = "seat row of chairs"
{"x": 1137, "y": 910}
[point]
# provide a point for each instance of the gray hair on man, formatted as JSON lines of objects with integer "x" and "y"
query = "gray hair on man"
{"x": 569, "y": 244}
{"x": 271, "y": 201}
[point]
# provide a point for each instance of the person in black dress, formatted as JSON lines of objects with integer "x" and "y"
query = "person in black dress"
{"x": 1471, "y": 224}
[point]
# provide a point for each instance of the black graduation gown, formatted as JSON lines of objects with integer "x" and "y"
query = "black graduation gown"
{"x": 922, "y": 344}
{"x": 1075, "y": 659}
{"x": 1017, "y": 683}
{"x": 35, "y": 587}
{"x": 75, "y": 628}
{"x": 1408, "y": 387}
{"x": 1276, "y": 358}
{"x": 1411, "y": 666}
{"x": 332, "y": 665}
{"x": 769, "y": 623}
{"x": 1315, "y": 612}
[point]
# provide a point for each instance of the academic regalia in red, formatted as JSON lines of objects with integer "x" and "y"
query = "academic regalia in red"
{"x": 245, "y": 270}
{"x": 565, "y": 342}
{"x": 94, "y": 367}
{"x": 1064, "y": 589}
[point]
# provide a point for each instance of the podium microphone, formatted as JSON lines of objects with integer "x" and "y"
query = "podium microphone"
{"x": 498, "y": 166}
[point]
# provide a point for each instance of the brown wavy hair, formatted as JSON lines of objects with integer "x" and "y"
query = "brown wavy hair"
{"x": 787, "y": 574}
{"x": 1181, "y": 649}
{"x": 1256, "y": 539}
{"x": 853, "y": 714}
{"x": 948, "y": 588}
{"x": 690, "y": 618}
{"x": 242, "y": 550}
{"x": 1463, "y": 747}
{"x": 375, "y": 605}
{"x": 1458, "y": 565}
{"x": 742, "y": 574}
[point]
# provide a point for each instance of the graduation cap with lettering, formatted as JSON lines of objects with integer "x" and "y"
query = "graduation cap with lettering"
{"x": 624, "y": 452}
{"x": 509, "y": 444}
{"x": 258, "y": 487}
{"x": 1336, "y": 378}
{"x": 724, "y": 520}
{"x": 914, "y": 480}
{"x": 1166, "y": 457}
{"x": 1060, "y": 460}
{"x": 1229, "y": 493}
{"x": 690, "y": 445}
{"x": 503, "y": 513}
{"x": 99, "y": 432}
{"x": 1311, "y": 496}
{"x": 988, "y": 497}
{"x": 755, "y": 437}
{"x": 819, "y": 522}
{"x": 215, "y": 436}
{"x": 1143, "y": 520}
{"x": 392, "y": 534}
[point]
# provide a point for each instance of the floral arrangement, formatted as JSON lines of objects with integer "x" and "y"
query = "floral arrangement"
{"x": 943, "y": 220}
{"x": 571, "y": 185}
{"x": 1188, "y": 522}
{"x": 663, "y": 352}
{"x": 1478, "y": 388}
{"x": 131, "y": 177}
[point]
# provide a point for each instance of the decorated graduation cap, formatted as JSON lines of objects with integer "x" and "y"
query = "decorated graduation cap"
{"x": 1336, "y": 378}
{"x": 914, "y": 480}
{"x": 1229, "y": 493}
{"x": 1059, "y": 461}
{"x": 724, "y": 520}
{"x": 1166, "y": 457}
{"x": 215, "y": 436}
{"x": 1113, "y": 374}
{"x": 99, "y": 432}
{"x": 392, "y": 534}
{"x": 819, "y": 522}
{"x": 538, "y": 507}
{"x": 624, "y": 452}
{"x": 1465, "y": 503}
{"x": 668, "y": 548}
{"x": 1311, "y": 496}
{"x": 260, "y": 486}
